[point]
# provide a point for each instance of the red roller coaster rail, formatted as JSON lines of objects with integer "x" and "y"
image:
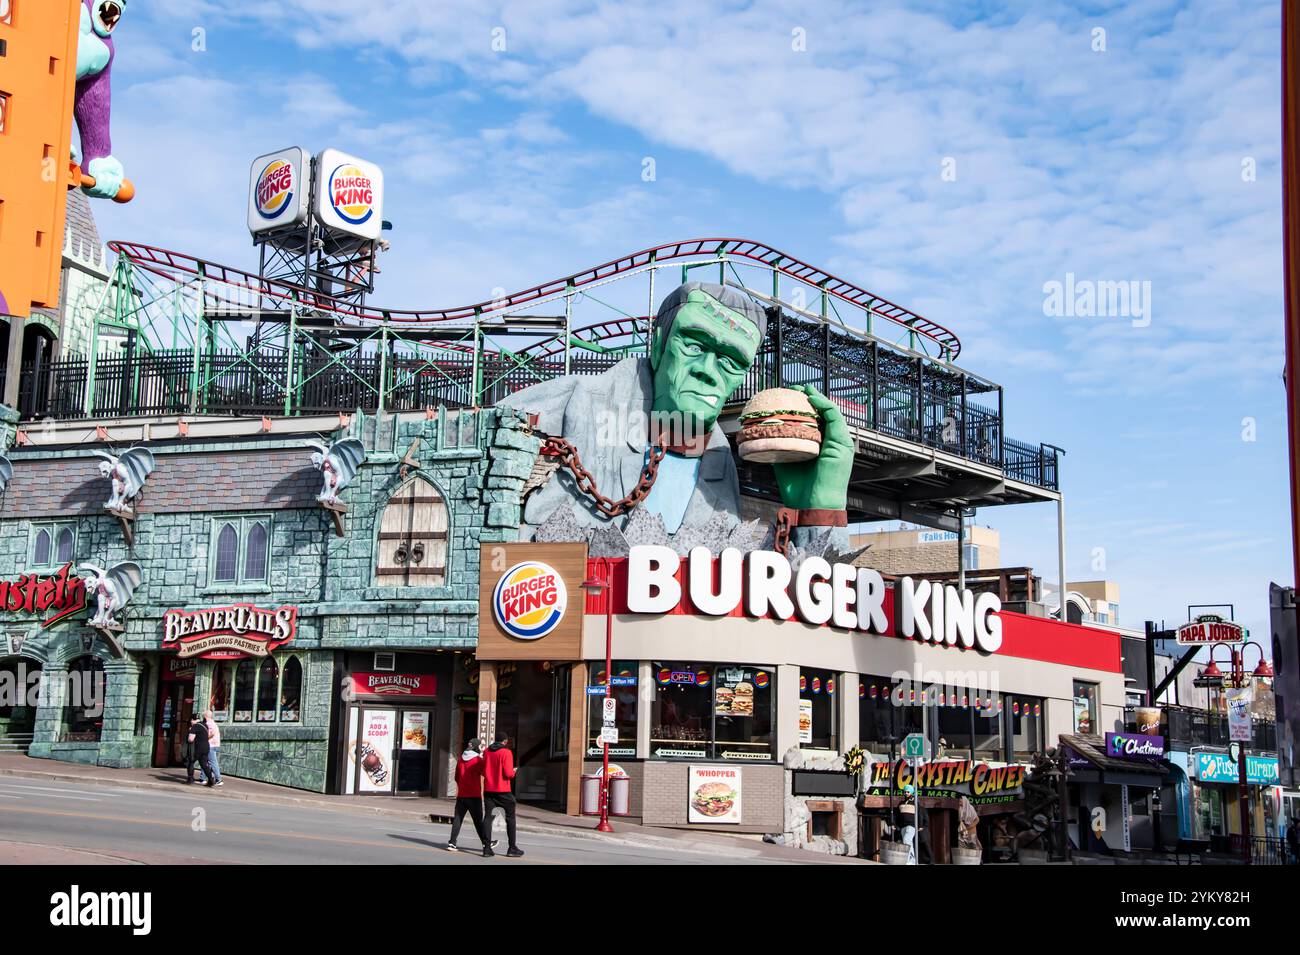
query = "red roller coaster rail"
{"x": 169, "y": 265}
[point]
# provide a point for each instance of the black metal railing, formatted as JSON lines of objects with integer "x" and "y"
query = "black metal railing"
{"x": 1187, "y": 726}
{"x": 876, "y": 387}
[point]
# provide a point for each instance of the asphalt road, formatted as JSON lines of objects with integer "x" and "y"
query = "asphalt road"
{"x": 49, "y": 821}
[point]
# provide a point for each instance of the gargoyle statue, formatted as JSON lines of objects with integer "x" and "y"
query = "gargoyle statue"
{"x": 128, "y": 472}
{"x": 112, "y": 590}
{"x": 6, "y": 473}
{"x": 338, "y": 464}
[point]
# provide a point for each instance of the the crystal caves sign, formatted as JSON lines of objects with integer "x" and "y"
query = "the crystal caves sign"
{"x": 228, "y": 633}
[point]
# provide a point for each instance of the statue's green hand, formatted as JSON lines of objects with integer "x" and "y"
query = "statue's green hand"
{"x": 822, "y": 483}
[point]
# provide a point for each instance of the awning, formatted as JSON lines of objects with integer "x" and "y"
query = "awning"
{"x": 1090, "y": 764}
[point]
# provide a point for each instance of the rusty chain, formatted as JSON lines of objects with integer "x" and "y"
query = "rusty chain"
{"x": 569, "y": 458}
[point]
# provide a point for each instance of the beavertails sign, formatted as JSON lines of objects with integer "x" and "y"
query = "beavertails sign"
{"x": 58, "y": 595}
{"x": 228, "y": 633}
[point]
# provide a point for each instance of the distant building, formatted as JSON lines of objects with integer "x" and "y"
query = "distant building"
{"x": 1086, "y": 601}
{"x": 922, "y": 550}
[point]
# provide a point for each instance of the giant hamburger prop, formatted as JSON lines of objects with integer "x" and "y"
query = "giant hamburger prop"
{"x": 713, "y": 799}
{"x": 779, "y": 426}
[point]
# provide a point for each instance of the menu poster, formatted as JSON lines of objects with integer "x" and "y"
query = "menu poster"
{"x": 714, "y": 794}
{"x": 734, "y": 695}
{"x": 805, "y": 721}
{"x": 374, "y": 750}
{"x": 415, "y": 731}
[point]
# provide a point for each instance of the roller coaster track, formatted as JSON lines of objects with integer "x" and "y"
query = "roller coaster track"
{"x": 181, "y": 267}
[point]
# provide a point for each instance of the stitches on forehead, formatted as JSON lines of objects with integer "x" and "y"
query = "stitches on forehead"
{"x": 725, "y": 305}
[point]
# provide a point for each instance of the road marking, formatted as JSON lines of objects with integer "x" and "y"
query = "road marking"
{"x": 50, "y": 795}
{"x": 53, "y": 789}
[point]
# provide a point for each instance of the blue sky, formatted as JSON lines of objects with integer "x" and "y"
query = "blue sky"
{"x": 505, "y": 168}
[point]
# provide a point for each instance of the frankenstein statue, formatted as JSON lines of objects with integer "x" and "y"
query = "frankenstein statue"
{"x": 654, "y": 421}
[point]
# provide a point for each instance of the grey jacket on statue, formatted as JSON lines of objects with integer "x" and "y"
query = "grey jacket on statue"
{"x": 607, "y": 417}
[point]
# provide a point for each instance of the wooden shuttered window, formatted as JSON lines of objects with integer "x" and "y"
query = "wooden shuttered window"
{"x": 413, "y": 537}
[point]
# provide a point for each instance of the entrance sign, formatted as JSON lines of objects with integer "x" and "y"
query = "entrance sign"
{"x": 394, "y": 684}
{"x": 531, "y": 601}
{"x": 849, "y": 598}
{"x": 714, "y": 794}
{"x": 228, "y": 633}
{"x": 1210, "y": 628}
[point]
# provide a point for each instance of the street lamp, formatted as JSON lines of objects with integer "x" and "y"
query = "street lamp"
{"x": 1236, "y": 679}
{"x": 594, "y": 584}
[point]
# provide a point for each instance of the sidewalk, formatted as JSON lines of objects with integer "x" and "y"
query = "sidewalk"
{"x": 531, "y": 819}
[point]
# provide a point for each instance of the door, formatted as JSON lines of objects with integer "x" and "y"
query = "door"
{"x": 413, "y": 537}
{"x": 415, "y": 757}
{"x": 372, "y": 734}
{"x": 175, "y": 705}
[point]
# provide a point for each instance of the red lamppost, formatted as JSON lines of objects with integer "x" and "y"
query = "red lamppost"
{"x": 594, "y": 584}
{"x": 1236, "y": 678}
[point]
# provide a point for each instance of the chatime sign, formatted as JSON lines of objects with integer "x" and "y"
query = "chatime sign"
{"x": 764, "y": 584}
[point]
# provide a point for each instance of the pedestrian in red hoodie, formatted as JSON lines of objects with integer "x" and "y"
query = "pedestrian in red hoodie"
{"x": 498, "y": 770}
{"x": 469, "y": 794}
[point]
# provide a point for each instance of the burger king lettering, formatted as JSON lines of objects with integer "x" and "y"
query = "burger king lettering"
{"x": 277, "y": 190}
{"x": 846, "y": 597}
{"x": 352, "y": 194}
{"x": 274, "y": 188}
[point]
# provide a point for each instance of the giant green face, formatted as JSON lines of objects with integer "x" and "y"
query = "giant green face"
{"x": 702, "y": 360}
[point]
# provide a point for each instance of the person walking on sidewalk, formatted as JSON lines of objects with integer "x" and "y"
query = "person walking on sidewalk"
{"x": 198, "y": 740}
{"x": 214, "y": 746}
{"x": 469, "y": 794}
{"x": 498, "y": 771}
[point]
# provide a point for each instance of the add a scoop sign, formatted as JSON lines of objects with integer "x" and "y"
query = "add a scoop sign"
{"x": 228, "y": 633}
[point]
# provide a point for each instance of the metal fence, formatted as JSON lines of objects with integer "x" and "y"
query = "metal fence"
{"x": 878, "y": 388}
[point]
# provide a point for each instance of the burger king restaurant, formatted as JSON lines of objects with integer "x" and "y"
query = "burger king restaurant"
{"x": 740, "y": 683}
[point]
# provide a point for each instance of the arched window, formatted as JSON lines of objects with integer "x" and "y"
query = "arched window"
{"x": 255, "y": 551}
{"x": 413, "y": 537}
{"x": 227, "y": 563}
{"x": 290, "y": 691}
{"x": 65, "y": 539}
{"x": 41, "y": 549}
{"x": 83, "y": 711}
{"x": 245, "y": 677}
{"x": 266, "y": 691}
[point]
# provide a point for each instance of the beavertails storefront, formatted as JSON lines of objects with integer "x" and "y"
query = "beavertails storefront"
{"x": 740, "y": 683}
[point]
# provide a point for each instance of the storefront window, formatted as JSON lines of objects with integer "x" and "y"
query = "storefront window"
{"x": 1085, "y": 708}
{"x": 952, "y": 710}
{"x": 83, "y": 716}
{"x": 1026, "y": 721}
{"x": 245, "y": 677}
{"x": 681, "y": 717}
{"x": 624, "y": 693}
{"x": 290, "y": 690}
{"x": 142, "y": 695}
{"x": 266, "y": 687}
{"x": 743, "y": 713}
{"x": 876, "y": 733}
{"x": 220, "y": 699}
{"x": 818, "y": 719}
{"x": 986, "y": 726}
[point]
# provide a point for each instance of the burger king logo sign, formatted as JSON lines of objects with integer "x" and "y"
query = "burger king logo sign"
{"x": 277, "y": 190}
{"x": 349, "y": 194}
{"x": 352, "y": 194}
{"x": 529, "y": 600}
{"x": 274, "y": 189}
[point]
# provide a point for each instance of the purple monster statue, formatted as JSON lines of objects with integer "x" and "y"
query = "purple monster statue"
{"x": 92, "y": 105}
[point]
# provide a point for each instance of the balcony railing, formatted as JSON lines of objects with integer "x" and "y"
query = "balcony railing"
{"x": 1188, "y": 727}
{"x": 893, "y": 392}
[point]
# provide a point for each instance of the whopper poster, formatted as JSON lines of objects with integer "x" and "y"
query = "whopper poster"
{"x": 713, "y": 794}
